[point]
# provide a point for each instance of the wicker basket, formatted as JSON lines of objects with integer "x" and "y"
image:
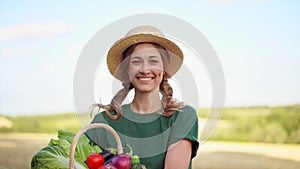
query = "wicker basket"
{"x": 91, "y": 126}
{"x": 83, "y": 130}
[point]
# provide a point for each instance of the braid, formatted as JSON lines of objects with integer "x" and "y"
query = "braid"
{"x": 115, "y": 103}
{"x": 170, "y": 104}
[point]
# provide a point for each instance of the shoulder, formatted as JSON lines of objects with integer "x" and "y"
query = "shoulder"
{"x": 100, "y": 117}
{"x": 187, "y": 114}
{"x": 188, "y": 111}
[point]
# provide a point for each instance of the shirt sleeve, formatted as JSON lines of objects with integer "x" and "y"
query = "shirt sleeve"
{"x": 98, "y": 135}
{"x": 186, "y": 127}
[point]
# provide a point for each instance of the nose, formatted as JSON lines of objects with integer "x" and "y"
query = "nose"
{"x": 145, "y": 69}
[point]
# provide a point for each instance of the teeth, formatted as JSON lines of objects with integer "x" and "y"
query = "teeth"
{"x": 145, "y": 78}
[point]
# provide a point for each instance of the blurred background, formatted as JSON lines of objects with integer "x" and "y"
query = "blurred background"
{"x": 257, "y": 42}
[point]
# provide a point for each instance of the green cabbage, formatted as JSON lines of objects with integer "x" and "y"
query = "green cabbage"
{"x": 57, "y": 153}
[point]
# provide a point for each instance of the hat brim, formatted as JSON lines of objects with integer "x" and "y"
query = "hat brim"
{"x": 115, "y": 54}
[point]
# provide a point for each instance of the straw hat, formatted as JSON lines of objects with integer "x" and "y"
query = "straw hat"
{"x": 143, "y": 34}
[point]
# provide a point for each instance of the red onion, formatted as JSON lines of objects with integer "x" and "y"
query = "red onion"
{"x": 121, "y": 161}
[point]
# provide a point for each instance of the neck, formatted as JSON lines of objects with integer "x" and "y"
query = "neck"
{"x": 144, "y": 103}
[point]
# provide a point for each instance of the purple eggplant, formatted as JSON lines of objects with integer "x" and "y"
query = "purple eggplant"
{"x": 107, "y": 155}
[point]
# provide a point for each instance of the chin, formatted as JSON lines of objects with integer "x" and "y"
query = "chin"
{"x": 145, "y": 90}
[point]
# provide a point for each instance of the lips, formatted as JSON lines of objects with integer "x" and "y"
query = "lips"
{"x": 145, "y": 79}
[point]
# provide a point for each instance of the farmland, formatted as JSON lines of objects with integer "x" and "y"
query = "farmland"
{"x": 17, "y": 150}
{"x": 246, "y": 138}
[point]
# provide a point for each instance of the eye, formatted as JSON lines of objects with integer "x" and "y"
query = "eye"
{"x": 153, "y": 61}
{"x": 136, "y": 61}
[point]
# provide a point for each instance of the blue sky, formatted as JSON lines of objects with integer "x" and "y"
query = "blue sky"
{"x": 258, "y": 44}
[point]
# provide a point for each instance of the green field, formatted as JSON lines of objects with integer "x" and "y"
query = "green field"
{"x": 246, "y": 138}
{"x": 258, "y": 124}
{"x": 17, "y": 150}
{"x": 246, "y": 124}
{"x": 43, "y": 123}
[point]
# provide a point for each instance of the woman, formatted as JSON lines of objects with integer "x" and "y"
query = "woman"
{"x": 162, "y": 131}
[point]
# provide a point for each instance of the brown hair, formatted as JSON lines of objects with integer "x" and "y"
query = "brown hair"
{"x": 170, "y": 104}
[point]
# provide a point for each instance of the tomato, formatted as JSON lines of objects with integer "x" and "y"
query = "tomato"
{"x": 94, "y": 161}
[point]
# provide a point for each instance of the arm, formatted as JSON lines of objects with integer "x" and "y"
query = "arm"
{"x": 179, "y": 155}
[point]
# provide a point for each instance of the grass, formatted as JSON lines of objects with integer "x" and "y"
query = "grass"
{"x": 43, "y": 123}
{"x": 258, "y": 124}
{"x": 247, "y": 124}
{"x": 282, "y": 151}
{"x": 211, "y": 155}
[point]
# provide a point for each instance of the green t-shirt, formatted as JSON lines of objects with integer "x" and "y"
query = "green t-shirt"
{"x": 148, "y": 134}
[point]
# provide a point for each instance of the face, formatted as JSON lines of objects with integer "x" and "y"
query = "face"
{"x": 145, "y": 68}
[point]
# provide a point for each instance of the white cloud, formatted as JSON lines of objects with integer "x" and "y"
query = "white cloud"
{"x": 228, "y": 2}
{"x": 75, "y": 50}
{"x": 31, "y": 30}
{"x": 50, "y": 67}
{"x": 223, "y": 2}
{"x": 18, "y": 51}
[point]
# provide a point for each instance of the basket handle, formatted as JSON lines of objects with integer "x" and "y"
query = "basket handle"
{"x": 83, "y": 130}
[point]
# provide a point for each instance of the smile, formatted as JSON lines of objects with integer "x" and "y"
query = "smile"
{"x": 145, "y": 78}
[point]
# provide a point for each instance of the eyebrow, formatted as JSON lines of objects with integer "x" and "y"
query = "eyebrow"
{"x": 150, "y": 57}
{"x": 154, "y": 56}
{"x": 136, "y": 57}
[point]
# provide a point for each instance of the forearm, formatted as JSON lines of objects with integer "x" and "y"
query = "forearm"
{"x": 179, "y": 155}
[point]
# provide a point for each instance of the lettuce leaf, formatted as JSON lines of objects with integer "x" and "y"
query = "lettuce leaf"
{"x": 57, "y": 153}
{"x": 52, "y": 157}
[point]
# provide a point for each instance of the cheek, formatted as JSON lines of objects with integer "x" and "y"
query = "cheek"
{"x": 132, "y": 71}
{"x": 160, "y": 75}
{"x": 158, "y": 69}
